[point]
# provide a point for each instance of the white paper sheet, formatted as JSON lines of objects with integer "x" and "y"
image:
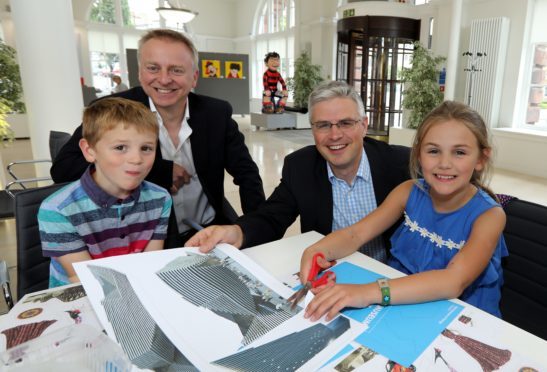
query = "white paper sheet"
{"x": 199, "y": 333}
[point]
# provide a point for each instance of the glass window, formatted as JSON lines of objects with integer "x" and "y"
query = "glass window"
{"x": 536, "y": 106}
{"x": 103, "y": 11}
{"x": 104, "y": 50}
{"x": 276, "y": 16}
{"x": 274, "y": 28}
{"x": 533, "y": 106}
{"x": 140, "y": 14}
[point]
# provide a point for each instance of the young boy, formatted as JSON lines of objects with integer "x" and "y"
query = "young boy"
{"x": 110, "y": 210}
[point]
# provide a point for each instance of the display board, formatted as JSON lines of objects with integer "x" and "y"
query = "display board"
{"x": 225, "y": 76}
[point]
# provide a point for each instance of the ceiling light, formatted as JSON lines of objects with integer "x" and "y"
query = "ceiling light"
{"x": 176, "y": 12}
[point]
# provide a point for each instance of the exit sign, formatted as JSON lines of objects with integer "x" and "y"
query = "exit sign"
{"x": 349, "y": 13}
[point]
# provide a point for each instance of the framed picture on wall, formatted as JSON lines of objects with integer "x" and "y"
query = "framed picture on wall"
{"x": 233, "y": 69}
{"x": 210, "y": 68}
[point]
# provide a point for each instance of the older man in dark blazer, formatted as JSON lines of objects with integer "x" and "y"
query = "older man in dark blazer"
{"x": 198, "y": 139}
{"x": 330, "y": 185}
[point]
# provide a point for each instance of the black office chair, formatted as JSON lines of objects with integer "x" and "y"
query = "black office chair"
{"x": 524, "y": 293}
{"x": 32, "y": 267}
{"x": 7, "y": 205}
{"x": 56, "y": 141}
{"x": 5, "y": 284}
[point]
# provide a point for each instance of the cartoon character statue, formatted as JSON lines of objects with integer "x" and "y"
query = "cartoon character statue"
{"x": 273, "y": 98}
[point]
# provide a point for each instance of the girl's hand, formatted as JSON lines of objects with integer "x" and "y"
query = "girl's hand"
{"x": 306, "y": 263}
{"x": 332, "y": 298}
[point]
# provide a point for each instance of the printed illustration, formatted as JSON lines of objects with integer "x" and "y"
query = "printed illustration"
{"x": 142, "y": 340}
{"x": 210, "y": 307}
{"x": 287, "y": 353}
{"x": 65, "y": 294}
{"x": 392, "y": 366}
{"x": 219, "y": 284}
{"x": 355, "y": 359}
{"x": 489, "y": 357}
{"x": 23, "y": 333}
{"x": 75, "y": 315}
{"x": 466, "y": 320}
{"x": 234, "y": 69}
{"x": 438, "y": 355}
{"x": 30, "y": 313}
{"x": 210, "y": 68}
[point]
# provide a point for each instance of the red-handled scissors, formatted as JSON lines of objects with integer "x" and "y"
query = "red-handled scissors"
{"x": 313, "y": 281}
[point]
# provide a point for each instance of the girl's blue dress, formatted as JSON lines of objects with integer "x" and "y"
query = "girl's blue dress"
{"x": 427, "y": 240}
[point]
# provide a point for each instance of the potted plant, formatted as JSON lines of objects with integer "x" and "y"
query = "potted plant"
{"x": 306, "y": 77}
{"x": 10, "y": 90}
{"x": 421, "y": 91}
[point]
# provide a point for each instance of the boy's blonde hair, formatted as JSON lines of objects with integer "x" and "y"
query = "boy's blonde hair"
{"x": 452, "y": 110}
{"x": 106, "y": 114}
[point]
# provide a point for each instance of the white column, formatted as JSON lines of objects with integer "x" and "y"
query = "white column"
{"x": 46, "y": 50}
{"x": 453, "y": 51}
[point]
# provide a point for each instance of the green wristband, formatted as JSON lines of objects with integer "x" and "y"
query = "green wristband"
{"x": 384, "y": 288}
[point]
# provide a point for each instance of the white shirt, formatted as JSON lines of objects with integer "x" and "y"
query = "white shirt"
{"x": 190, "y": 201}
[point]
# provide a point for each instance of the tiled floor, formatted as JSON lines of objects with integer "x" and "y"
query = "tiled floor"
{"x": 268, "y": 149}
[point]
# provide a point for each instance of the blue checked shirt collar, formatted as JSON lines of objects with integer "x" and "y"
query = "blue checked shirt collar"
{"x": 363, "y": 171}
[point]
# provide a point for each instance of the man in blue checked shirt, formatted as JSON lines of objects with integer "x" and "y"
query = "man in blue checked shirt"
{"x": 330, "y": 185}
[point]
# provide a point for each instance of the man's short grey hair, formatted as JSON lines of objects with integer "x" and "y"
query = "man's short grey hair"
{"x": 171, "y": 35}
{"x": 328, "y": 90}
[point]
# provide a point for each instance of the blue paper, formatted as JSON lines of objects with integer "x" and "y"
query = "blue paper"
{"x": 400, "y": 332}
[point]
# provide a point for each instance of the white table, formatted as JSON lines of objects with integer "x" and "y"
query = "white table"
{"x": 282, "y": 258}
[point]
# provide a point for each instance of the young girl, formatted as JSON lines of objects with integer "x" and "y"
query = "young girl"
{"x": 450, "y": 242}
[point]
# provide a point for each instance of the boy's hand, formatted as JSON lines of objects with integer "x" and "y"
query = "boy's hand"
{"x": 180, "y": 178}
{"x": 209, "y": 237}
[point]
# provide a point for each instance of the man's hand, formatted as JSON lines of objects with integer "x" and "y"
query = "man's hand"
{"x": 180, "y": 178}
{"x": 209, "y": 237}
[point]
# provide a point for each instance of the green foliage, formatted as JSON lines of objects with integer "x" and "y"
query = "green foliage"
{"x": 6, "y": 133}
{"x": 11, "y": 89}
{"x": 104, "y": 11}
{"x": 306, "y": 77}
{"x": 421, "y": 92}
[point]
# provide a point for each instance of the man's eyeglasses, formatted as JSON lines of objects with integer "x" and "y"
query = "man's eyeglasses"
{"x": 344, "y": 125}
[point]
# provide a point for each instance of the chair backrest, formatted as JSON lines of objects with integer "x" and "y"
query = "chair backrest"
{"x": 524, "y": 294}
{"x": 56, "y": 141}
{"x": 7, "y": 208}
{"x": 32, "y": 267}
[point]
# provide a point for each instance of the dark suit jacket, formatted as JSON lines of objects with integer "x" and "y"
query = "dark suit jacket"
{"x": 305, "y": 190}
{"x": 217, "y": 145}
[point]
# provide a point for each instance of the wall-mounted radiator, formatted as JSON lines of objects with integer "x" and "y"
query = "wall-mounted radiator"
{"x": 485, "y": 73}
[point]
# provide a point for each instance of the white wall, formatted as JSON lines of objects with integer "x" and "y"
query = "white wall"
{"x": 517, "y": 16}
